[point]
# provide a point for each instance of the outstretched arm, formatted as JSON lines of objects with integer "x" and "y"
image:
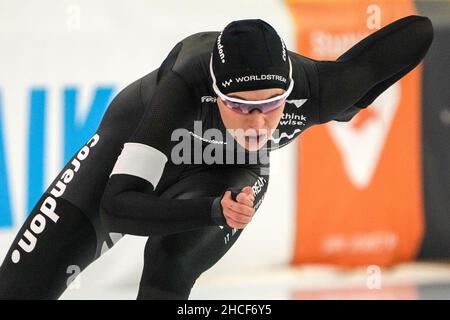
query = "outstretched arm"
{"x": 363, "y": 72}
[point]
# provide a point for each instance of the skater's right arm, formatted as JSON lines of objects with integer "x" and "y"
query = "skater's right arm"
{"x": 130, "y": 204}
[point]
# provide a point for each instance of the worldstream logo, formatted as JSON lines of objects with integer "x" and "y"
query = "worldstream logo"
{"x": 74, "y": 135}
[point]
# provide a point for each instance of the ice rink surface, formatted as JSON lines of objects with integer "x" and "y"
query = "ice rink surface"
{"x": 417, "y": 281}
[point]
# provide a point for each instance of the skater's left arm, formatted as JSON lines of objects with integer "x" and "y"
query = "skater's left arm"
{"x": 362, "y": 73}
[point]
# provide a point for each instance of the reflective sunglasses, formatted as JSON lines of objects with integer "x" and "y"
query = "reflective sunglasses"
{"x": 246, "y": 106}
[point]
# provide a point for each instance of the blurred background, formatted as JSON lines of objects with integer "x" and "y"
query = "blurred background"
{"x": 357, "y": 210}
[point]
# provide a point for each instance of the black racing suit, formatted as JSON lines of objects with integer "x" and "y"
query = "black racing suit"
{"x": 147, "y": 191}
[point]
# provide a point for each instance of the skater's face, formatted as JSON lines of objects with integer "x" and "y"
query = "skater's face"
{"x": 251, "y": 126}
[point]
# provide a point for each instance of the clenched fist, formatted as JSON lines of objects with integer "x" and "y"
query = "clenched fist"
{"x": 238, "y": 213}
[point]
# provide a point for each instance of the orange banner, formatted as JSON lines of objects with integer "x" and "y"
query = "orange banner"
{"x": 359, "y": 183}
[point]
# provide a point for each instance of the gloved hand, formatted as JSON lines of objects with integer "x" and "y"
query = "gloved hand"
{"x": 234, "y": 208}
